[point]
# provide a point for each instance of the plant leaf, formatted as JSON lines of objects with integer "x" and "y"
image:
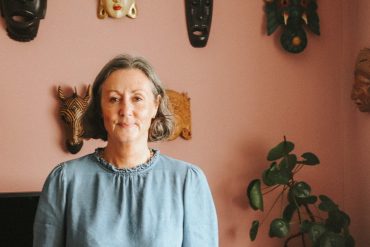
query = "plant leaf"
{"x": 301, "y": 190}
{"x": 316, "y": 231}
{"x": 306, "y": 226}
{"x": 350, "y": 242}
{"x": 254, "y": 194}
{"x": 283, "y": 148}
{"x": 308, "y": 200}
{"x": 337, "y": 220}
{"x": 266, "y": 178}
{"x": 310, "y": 159}
{"x": 330, "y": 239}
{"x": 289, "y": 162}
{"x": 254, "y": 230}
{"x": 279, "y": 228}
{"x": 288, "y": 212}
{"x": 274, "y": 175}
{"x": 327, "y": 204}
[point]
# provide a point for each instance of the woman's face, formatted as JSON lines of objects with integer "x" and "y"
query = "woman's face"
{"x": 128, "y": 106}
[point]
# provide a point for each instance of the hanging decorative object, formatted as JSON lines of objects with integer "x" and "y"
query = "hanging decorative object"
{"x": 361, "y": 87}
{"x": 292, "y": 16}
{"x": 22, "y": 18}
{"x": 180, "y": 108}
{"x": 198, "y": 20}
{"x": 71, "y": 111}
{"x": 117, "y": 8}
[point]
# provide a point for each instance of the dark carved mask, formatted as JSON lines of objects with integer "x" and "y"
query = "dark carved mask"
{"x": 292, "y": 16}
{"x": 198, "y": 19}
{"x": 22, "y": 17}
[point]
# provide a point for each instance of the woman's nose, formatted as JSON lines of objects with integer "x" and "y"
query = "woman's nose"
{"x": 125, "y": 108}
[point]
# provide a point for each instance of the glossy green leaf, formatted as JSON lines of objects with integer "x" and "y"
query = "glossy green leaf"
{"x": 301, "y": 190}
{"x": 316, "y": 230}
{"x": 266, "y": 177}
{"x": 254, "y": 194}
{"x": 308, "y": 200}
{"x": 310, "y": 159}
{"x": 279, "y": 228}
{"x": 289, "y": 212}
{"x": 283, "y": 148}
{"x": 305, "y": 226}
{"x": 337, "y": 220}
{"x": 254, "y": 230}
{"x": 274, "y": 175}
{"x": 327, "y": 204}
{"x": 330, "y": 239}
{"x": 288, "y": 162}
{"x": 350, "y": 241}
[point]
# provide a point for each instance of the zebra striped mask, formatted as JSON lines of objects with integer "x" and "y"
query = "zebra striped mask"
{"x": 71, "y": 111}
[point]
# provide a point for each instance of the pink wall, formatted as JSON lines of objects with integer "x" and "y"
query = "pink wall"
{"x": 246, "y": 93}
{"x": 356, "y": 167}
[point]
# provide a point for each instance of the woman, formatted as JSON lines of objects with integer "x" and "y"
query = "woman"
{"x": 126, "y": 194}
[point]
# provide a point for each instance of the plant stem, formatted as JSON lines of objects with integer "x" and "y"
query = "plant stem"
{"x": 275, "y": 187}
{"x": 276, "y": 200}
{"x": 291, "y": 237}
{"x": 300, "y": 221}
{"x": 310, "y": 214}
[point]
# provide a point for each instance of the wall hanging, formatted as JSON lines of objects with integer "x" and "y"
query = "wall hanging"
{"x": 22, "y": 18}
{"x": 360, "y": 90}
{"x": 71, "y": 111}
{"x": 292, "y": 16}
{"x": 198, "y": 20}
{"x": 117, "y": 8}
{"x": 180, "y": 107}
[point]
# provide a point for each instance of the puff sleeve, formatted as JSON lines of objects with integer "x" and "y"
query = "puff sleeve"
{"x": 49, "y": 224}
{"x": 200, "y": 219}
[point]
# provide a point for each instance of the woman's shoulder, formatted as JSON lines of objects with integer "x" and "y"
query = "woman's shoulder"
{"x": 179, "y": 166}
{"x": 81, "y": 164}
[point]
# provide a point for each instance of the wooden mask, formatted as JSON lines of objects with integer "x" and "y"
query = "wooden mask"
{"x": 180, "y": 108}
{"x": 292, "y": 16}
{"x": 198, "y": 20}
{"x": 117, "y": 8}
{"x": 361, "y": 87}
{"x": 71, "y": 111}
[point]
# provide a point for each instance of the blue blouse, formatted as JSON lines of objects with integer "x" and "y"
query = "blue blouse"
{"x": 88, "y": 202}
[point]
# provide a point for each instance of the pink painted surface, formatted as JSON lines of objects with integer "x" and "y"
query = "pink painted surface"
{"x": 356, "y": 167}
{"x": 246, "y": 93}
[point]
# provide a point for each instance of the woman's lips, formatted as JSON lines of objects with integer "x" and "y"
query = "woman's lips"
{"x": 125, "y": 125}
{"x": 117, "y": 7}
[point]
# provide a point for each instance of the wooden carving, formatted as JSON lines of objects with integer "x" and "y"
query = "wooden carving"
{"x": 71, "y": 111}
{"x": 180, "y": 107}
{"x": 361, "y": 87}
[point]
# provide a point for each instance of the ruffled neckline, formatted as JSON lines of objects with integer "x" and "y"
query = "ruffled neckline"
{"x": 126, "y": 171}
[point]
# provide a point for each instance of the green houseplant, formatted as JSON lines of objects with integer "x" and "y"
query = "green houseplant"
{"x": 316, "y": 220}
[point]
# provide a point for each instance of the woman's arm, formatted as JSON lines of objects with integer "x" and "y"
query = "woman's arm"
{"x": 49, "y": 225}
{"x": 200, "y": 219}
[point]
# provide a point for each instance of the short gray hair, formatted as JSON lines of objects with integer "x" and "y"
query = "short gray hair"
{"x": 161, "y": 126}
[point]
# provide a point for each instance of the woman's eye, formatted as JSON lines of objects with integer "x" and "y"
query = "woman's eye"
{"x": 137, "y": 98}
{"x": 113, "y": 99}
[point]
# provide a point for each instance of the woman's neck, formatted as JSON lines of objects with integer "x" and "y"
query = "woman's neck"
{"x": 126, "y": 156}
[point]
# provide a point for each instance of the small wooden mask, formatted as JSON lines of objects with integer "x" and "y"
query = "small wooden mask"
{"x": 361, "y": 87}
{"x": 198, "y": 20}
{"x": 71, "y": 111}
{"x": 180, "y": 107}
{"x": 292, "y": 16}
{"x": 117, "y": 8}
